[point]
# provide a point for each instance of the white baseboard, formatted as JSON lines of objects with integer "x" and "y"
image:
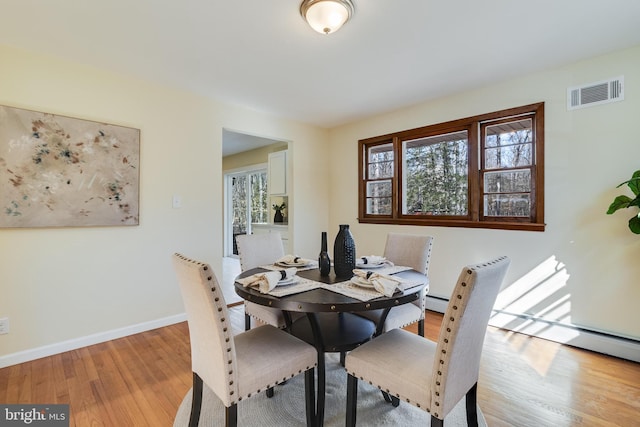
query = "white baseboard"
{"x": 61, "y": 347}
{"x": 600, "y": 342}
{"x": 437, "y": 304}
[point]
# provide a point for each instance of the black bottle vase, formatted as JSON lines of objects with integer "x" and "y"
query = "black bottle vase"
{"x": 344, "y": 252}
{"x": 324, "y": 262}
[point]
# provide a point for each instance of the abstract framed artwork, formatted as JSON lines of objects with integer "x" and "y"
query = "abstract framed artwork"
{"x": 58, "y": 171}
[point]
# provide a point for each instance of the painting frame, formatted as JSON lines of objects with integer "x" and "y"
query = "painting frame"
{"x": 61, "y": 171}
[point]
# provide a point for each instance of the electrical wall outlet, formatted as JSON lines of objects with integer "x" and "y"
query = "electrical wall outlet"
{"x": 4, "y": 325}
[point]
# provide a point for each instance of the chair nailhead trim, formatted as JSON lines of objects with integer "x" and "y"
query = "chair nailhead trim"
{"x": 216, "y": 299}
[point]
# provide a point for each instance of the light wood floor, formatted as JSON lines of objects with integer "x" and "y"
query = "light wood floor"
{"x": 140, "y": 381}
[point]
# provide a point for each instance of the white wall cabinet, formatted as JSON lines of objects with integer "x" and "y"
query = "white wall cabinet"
{"x": 269, "y": 228}
{"x": 277, "y": 173}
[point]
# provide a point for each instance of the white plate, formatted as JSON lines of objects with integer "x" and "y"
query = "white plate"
{"x": 294, "y": 264}
{"x": 289, "y": 281}
{"x": 359, "y": 281}
{"x": 363, "y": 265}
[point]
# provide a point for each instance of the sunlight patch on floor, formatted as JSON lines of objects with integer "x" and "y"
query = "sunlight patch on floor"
{"x": 537, "y": 304}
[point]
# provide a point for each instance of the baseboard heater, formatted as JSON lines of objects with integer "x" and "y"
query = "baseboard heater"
{"x": 575, "y": 336}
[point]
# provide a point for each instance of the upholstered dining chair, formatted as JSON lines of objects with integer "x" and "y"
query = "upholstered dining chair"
{"x": 255, "y": 250}
{"x": 236, "y": 367}
{"x": 413, "y": 251}
{"x": 433, "y": 376}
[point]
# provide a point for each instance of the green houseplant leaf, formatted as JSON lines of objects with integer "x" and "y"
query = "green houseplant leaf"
{"x": 634, "y": 224}
{"x": 633, "y": 183}
{"x": 623, "y": 201}
{"x": 619, "y": 203}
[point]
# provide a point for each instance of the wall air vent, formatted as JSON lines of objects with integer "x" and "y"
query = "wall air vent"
{"x": 603, "y": 92}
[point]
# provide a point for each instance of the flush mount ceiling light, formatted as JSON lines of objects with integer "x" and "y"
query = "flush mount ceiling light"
{"x": 326, "y": 16}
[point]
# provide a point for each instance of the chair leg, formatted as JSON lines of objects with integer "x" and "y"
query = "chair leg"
{"x": 436, "y": 422}
{"x": 196, "y": 401}
{"x": 343, "y": 355}
{"x": 310, "y": 396}
{"x": 322, "y": 389}
{"x": 395, "y": 402}
{"x": 352, "y": 400}
{"x": 247, "y": 322}
{"x": 472, "y": 408}
{"x": 231, "y": 416}
{"x": 421, "y": 327}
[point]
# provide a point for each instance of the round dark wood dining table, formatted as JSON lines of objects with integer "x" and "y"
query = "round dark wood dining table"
{"x": 327, "y": 332}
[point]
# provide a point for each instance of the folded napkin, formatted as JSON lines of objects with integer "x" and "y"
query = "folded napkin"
{"x": 382, "y": 283}
{"x": 373, "y": 260}
{"x": 265, "y": 282}
{"x": 291, "y": 259}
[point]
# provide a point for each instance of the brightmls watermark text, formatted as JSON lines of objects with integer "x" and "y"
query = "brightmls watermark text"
{"x": 34, "y": 415}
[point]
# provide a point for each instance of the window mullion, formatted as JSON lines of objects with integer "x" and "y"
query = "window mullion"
{"x": 397, "y": 178}
{"x": 475, "y": 184}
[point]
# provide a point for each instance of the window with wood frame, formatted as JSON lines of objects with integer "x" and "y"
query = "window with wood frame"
{"x": 485, "y": 171}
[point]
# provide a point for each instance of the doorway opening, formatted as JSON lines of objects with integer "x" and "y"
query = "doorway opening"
{"x": 246, "y": 200}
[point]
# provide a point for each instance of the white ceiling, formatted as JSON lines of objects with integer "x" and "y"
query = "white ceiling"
{"x": 261, "y": 54}
{"x": 237, "y": 142}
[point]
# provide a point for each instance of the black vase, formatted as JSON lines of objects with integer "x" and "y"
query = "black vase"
{"x": 278, "y": 217}
{"x": 324, "y": 262}
{"x": 344, "y": 253}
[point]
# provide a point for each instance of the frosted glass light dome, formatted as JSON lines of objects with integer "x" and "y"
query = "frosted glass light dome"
{"x": 326, "y": 16}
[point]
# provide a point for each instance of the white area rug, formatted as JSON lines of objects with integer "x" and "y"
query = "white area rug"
{"x": 286, "y": 408}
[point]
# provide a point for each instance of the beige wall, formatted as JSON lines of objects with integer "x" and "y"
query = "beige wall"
{"x": 585, "y": 261}
{"x": 74, "y": 285}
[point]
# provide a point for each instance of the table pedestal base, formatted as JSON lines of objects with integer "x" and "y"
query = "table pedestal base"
{"x": 328, "y": 333}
